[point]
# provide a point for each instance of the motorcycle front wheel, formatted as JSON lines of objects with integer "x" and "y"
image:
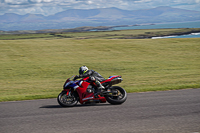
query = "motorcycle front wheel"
{"x": 118, "y": 97}
{"x": 67, "y": 99}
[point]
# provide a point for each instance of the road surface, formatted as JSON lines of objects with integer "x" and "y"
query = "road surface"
{"x": 151, "y": 112}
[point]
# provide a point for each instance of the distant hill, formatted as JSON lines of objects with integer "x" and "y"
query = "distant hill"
{"x": 95, "y": 17}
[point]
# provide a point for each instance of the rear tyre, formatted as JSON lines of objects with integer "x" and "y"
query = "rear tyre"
{"x": 117, "y": 98}
{"x": 69, "y": 100}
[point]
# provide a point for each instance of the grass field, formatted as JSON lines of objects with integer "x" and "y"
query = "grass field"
{"x": 37, "y": 68}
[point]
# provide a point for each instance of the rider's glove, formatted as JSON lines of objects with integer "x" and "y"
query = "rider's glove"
{"x": 76, "y": 77}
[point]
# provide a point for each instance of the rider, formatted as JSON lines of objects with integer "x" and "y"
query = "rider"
{"x": 93, "y": 77}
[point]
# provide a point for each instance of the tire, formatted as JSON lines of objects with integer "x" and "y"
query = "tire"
{"x": 67, "y": 100}
{"x": 118, "y": 98}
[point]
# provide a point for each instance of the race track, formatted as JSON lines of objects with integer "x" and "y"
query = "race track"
{"x": 151, "y": 112}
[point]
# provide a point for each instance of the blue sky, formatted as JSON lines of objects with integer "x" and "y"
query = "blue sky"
{"x": 49, "y": 7}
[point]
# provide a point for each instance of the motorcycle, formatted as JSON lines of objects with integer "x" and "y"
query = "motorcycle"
{"x": 84, "y": 93}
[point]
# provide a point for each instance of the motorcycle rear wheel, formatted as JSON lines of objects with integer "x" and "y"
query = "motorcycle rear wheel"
{"x": 69, "y": 100}
{"x": 118, "y": 98}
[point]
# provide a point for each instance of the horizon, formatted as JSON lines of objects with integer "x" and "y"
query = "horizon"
{"x": 98, "y": 8}
{"x": 112, "y": 16}
{"x": 51, "y": 7}
{"x": 116, "y": 27}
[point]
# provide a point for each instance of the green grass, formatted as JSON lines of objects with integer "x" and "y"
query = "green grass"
{"x": 37, "y": 68}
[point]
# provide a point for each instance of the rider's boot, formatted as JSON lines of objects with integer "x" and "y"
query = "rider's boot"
{"x": 99, "y": 89}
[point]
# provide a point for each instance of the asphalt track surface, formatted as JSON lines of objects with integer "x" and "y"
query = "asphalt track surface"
{"x": 151, "y": 112}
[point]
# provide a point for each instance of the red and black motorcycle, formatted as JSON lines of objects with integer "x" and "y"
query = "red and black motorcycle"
{"x": 84, "y": 93}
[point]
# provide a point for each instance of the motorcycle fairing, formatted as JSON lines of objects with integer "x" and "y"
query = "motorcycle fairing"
{"x": 84, "y": 96}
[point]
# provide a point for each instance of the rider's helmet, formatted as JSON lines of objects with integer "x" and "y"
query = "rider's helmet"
{"x": 82, "y": 70}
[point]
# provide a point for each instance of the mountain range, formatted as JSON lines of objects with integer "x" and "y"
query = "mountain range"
{"x": 96, "y": 17}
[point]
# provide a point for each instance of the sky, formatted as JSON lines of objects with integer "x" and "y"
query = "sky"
{"x": 50, "y": 7}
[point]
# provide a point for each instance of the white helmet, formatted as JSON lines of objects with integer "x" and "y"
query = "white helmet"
{"x": 82, "y": 70}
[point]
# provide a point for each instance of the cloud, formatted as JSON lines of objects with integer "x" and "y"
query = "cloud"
{"x": 48, "y": 7}
{"x": 39, "y": 1}
{"x": 15, "y": 1}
